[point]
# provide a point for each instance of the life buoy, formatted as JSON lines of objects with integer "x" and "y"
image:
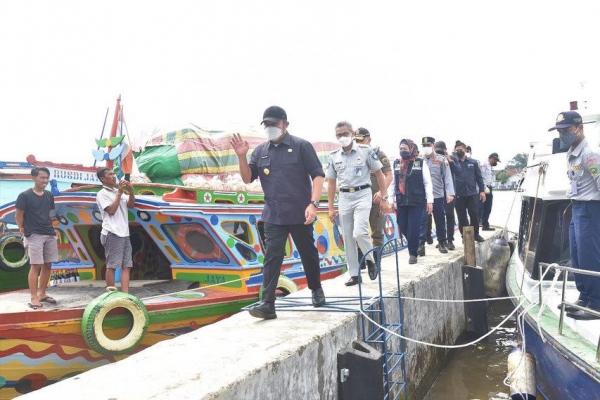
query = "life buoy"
{"x": 95, "y": 313}
{"x": 284, "y": 284}
{"x": 13, "y": 254}
{"x": 211, "y": 250}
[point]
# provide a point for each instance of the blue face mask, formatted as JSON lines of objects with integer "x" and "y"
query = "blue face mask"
{"x": 567, "y": 139}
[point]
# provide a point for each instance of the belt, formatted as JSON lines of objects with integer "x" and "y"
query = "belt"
{"x": 354, "y": 189}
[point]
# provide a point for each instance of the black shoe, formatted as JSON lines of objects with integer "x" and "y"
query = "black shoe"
{"x": 450, "y": 245}
{"x": 582, "y": 315}
{"x": 372, "y": 270}
{"x": 264, "y": 311}
{"x": 318, "y": 297}
{"x": 442, "y": 248}
{"x": 429, "y": 240}
{"x": 571, "y": 308}
{"x": 421, "y": 251}
{"x": 479, "y": 239}
{"x": 412, "y": 259}
{"x": 354, "y": 280}
{"x": 488, "y": 228}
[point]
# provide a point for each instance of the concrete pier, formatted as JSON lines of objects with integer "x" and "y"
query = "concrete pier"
{"x": 292, "y": 357}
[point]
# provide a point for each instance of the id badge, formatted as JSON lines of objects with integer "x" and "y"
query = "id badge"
{"x": 573, "y": 187}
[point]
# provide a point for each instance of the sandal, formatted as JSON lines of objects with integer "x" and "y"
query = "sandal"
{"x": 34, "y": 306}
{"x": 48, "y": 300}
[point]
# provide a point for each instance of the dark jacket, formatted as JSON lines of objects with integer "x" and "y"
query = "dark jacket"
{"x": 415, "y": 185}
{"x": 467, "y": 177}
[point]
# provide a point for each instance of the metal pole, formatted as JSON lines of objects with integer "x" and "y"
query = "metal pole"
{"x": 562, "y": 304}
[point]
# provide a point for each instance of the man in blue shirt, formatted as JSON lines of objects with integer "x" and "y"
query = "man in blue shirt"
{"x": 469, "y": 188}
{"x": 291, "y": 177}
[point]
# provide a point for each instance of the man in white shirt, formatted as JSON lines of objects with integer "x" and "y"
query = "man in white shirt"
{"x": 115, "y": 226}
{"x": 488, "y": 180}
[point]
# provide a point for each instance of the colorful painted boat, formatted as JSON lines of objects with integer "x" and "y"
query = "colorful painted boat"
{"x": 182, "y": 239}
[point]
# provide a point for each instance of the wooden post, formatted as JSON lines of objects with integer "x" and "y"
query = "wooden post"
{"x": 469, "y": 246}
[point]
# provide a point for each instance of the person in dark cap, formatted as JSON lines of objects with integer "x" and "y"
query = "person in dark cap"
{"x": 584, "y": 231}
{"x": 413, "y": 194}
{"x": 443, "y": 192}
{"x": 441, "y": 149}
{"x": 291, "y": 177}
{"x": 488, "y": 180}
{"x": 469, "y": 188}
{"x": 376, "y": 217}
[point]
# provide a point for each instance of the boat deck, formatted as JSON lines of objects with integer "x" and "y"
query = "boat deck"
{"x": 79, "y": 294}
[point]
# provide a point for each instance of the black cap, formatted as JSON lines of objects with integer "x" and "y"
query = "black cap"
{"x": 362, "y": 133}
{"x": 459, "y": 143}
{"x": 427, "y": 140}
{"x": 274, "y": 114}
{"x": 440, "y": 145}
{"x": 567, "y": 119}
{"x": 495, "y": 155}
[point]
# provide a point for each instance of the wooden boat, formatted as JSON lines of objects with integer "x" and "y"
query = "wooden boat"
{"x": 198, "y": 258}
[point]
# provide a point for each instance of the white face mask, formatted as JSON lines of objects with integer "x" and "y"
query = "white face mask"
{"x": 427, "y": 151}
{"x": 468, "y": 155}
{"x": 273, "y": 132}
{"x": 345, "y": 141}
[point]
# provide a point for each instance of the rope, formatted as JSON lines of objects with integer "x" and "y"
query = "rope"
{"x": 455, "y": 346}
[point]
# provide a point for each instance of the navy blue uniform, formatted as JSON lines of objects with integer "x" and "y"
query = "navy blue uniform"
{"x": 468, "y": 183}
{"x": 285, "y": 171}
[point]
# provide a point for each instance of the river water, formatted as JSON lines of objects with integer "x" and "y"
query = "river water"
{"x": 478, "y": 371}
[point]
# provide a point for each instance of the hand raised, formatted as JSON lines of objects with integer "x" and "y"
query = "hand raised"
{"x": 239, "y": 145}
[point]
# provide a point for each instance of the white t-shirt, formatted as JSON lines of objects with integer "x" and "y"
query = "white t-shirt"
{"x": 118, "y": 223}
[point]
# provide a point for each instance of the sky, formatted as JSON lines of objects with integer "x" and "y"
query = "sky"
{"x": 492, "y": 74}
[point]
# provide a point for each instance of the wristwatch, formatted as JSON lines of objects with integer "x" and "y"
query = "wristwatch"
{"x": 315, "y": 203}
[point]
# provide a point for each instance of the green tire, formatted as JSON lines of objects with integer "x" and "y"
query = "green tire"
{"x": 95, "y": 313}
{"x": 7, "y": 262}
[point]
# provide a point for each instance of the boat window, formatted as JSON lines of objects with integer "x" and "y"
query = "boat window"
{"x": 246, "y": 251}
{"x": 287, "y": 252}
{"x": 195, "y": 242}
{"x": 66, "y": 252}
{"x": 239, "y": 229}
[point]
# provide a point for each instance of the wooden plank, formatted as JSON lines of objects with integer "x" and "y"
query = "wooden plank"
{"x": 469, "y": 246}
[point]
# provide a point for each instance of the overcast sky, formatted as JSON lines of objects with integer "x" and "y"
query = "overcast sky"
{"x": 493, "y": 74}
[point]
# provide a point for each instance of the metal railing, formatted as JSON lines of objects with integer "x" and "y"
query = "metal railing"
{"x": 563, "y": 302}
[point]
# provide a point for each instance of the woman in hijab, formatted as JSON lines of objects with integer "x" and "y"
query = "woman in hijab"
{"x": 413, "y": 194}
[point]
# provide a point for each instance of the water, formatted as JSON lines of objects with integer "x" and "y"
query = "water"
{"x": 478, "y": 371}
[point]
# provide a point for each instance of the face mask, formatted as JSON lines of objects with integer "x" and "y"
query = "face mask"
{"x": 405, "y": 154}
{"x": 567, "y": 139}
{"x": 345, "y": 141}
{"x": 460, "y": 153}
{"x": 468, "y": 155}
{"x": 427, "y": 151}
{"x": 273, "y": 132}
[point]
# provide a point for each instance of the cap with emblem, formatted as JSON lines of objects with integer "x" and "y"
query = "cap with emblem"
{"x": 274, "y": 114}
{"x": 427, "y": 140}
{"x": 567, "y": 119}
{"x": 362, "y": 133}
{"x": 495, "y": 155}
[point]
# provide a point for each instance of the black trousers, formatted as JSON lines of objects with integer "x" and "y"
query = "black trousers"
{"x": 468, "y": 204}
{"x": 275, "y": 239}
{"x": 450, "y": 221}
{"x": 486, "y": 208}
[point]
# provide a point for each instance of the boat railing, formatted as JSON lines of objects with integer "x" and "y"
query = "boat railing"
{"x": 563, "y": 302}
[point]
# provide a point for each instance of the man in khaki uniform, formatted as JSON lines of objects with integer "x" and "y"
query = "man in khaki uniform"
{"x": 376, "y": 217}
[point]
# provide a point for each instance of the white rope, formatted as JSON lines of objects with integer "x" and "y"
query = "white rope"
{"x": 455, "y": 346}
{"x": 461, "y": 300}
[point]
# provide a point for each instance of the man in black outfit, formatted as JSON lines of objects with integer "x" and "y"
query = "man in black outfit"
{"x": 440, "y": 148}
{"x": 291, "y": 177}
{"x": 469, "y": 188}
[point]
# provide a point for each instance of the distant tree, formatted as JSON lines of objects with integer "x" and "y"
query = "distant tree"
{"x": 519, "y": 161}
{"x": 502, "y": 176}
